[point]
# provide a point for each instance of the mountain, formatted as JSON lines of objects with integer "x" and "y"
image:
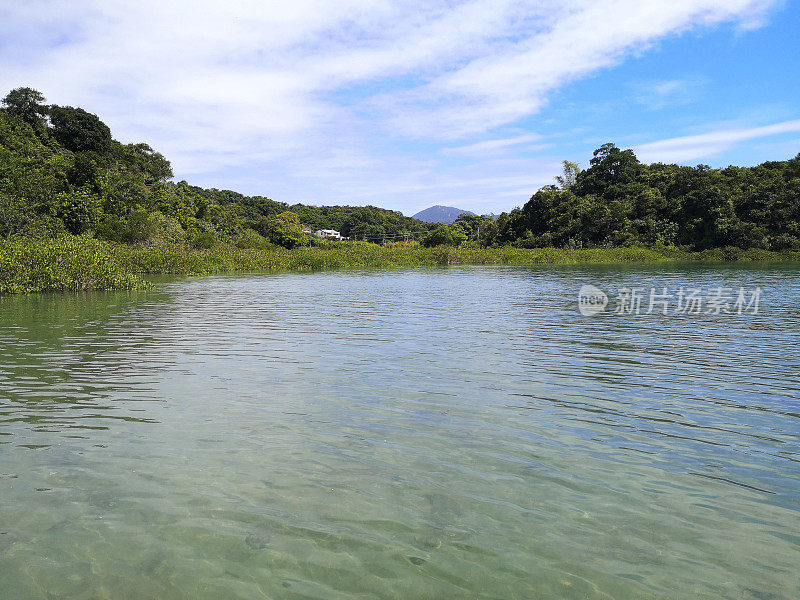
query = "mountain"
{"x": 440, "y": 214}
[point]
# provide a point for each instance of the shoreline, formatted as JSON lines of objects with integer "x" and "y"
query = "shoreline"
{"x": 76, "y": 263}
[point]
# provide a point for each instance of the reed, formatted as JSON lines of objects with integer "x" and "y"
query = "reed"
{"x": 83, "y": 263}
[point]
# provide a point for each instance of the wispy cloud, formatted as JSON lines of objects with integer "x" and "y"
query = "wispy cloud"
{"x": 659, "y": 94}
{"x": 496, "y": 146}
{"x": 272, "y": 87}
{"x": 705, "y": 145}
{"x": 515, "y": 80}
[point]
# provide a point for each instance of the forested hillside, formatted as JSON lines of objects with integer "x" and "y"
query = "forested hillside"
{"x": 61, "y": 172}
{"x": 619, "y": 201}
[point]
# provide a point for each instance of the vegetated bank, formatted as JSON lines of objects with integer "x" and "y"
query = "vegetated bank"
{"x": 80, "y": 210}
{"x": 74, "y": 263}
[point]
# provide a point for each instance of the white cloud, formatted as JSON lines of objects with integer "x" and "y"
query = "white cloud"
{"x": 706, "y": 145}
{"x": 514, "y": 81}
{"x": 658, "y": 94}
{"x": 493, "y": 146}
{"x": 223, "y": 86}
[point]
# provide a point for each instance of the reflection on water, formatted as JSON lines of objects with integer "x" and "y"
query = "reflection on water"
{"x": 416, "y": 434}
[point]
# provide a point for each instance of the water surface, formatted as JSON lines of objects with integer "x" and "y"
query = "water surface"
{"x": 448, "y": 433}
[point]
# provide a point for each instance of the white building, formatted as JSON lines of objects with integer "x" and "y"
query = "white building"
{"x": 330, "y": 234}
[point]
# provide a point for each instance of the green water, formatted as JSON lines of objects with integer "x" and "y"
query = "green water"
{"x": 458, "y": 433}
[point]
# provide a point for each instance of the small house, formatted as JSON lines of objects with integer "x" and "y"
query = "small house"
{"x": 330, "y": 234}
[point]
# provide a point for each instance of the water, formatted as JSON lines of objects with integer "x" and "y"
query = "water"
{"x": 454, "y": 433}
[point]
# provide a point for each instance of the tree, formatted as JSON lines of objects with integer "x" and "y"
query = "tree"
{"x": 79, "y": 179}
{"x": 283, "y": 229}
{"x": 569, "y": 175}
{"x": 487, "y": 236}
{"x": 365, "y": 231}
{"x": 444, "y": 235}
{"x": 79, "y": 131}
{"x": 610, "y": 168}
{"x": 122, "y": 191}
{"x": 13, "y": 216}
{"x": 84, "y": 169}
{"x": 472, "y": 225}
{"x": 27, "y": 104}
{"x": 79, "y": 210}
{"x": 536, "y": 212}
{"x": 143, "y": 159}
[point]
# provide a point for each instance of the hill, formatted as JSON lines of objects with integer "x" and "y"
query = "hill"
{"x": 440, "y": 214}
{"x": 61, "y": 172}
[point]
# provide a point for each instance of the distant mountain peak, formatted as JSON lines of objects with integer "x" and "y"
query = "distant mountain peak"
{"x": 440, "y": 214}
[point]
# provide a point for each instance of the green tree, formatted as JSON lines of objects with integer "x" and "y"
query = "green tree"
{"x": 142, "y": 159}
{"x": 85, "y": 169}
{"x": 569, "y": 175}
{"x": 610, "y": 169}
{"x": 27, "y": 104}
{"x": 80, "y": 210}
{"x": 283, "y": 229}
{"x": 472, "y": 225}
{"x": 443, "y": 235}
{"x": 79, "y": 131}
{"x": 122, "y": 191}
{"x": 13, "y": 216}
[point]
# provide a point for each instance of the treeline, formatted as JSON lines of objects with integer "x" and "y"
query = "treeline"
{"x": 61, "y": 172}
{"x": 619, "y": 201}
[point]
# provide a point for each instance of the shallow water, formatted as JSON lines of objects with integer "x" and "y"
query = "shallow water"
{"x": 451, "y": 433}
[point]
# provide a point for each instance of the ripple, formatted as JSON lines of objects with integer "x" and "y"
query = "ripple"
{"x": 454, "y": 432}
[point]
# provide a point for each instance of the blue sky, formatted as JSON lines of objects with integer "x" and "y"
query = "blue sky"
{"x": 403, "y": 105}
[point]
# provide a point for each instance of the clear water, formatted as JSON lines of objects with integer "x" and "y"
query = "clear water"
{"x": 455, "y": 433}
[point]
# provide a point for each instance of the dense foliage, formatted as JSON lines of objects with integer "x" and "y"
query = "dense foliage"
{"x": 62, "y": 172}
{"x": 68, "y": 263}
{"x": 619, "y": 201}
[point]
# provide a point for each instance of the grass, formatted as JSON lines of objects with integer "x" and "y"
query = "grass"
{"x": 82, "y": 263}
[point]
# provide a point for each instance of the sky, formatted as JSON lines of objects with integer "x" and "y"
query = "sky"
{"x": 404, "y": 105}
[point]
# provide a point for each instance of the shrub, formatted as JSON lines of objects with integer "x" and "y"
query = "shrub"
{"x": 80, "y": 210}
{"x": 63, "y": 264}
{"x": 248, "y": 238}
{"x": 165, "y": 231}
{"x": 203, "y": 241}
{"x": 438, "y": 237}
{"x": 283, "y": 229}
{"x": 784, "y": 242}
{"x": 137, "y": 228}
